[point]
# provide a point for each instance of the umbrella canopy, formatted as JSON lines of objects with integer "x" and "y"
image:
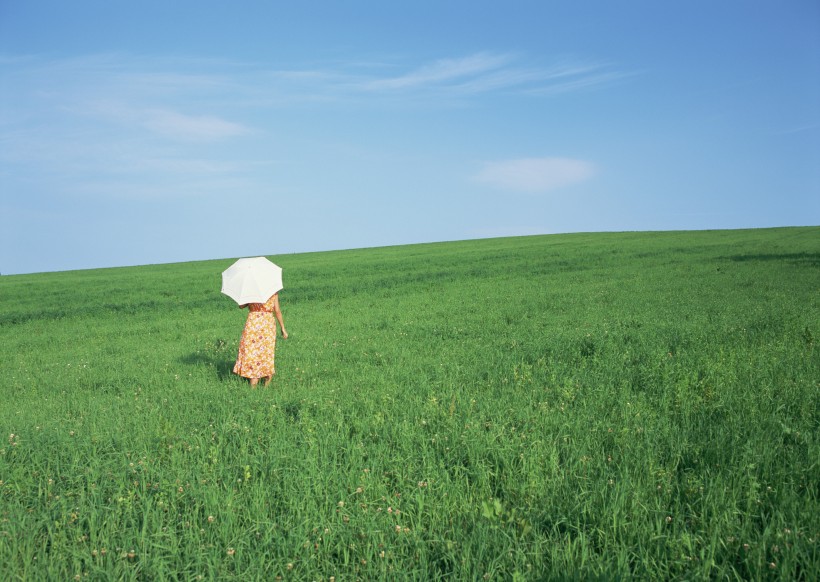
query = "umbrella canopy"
{"x": 252, "y": 280}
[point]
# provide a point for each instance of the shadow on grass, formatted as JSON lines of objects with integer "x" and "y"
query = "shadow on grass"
{"x": 217, "y": 356}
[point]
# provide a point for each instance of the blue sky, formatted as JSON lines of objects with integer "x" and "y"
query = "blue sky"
{"x": 155, "y": 131}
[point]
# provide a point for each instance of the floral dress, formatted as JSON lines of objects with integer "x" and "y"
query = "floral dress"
{"x": 256, "y": 348}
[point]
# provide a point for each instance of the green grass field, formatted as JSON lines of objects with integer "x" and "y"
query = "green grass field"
{"x": 589, "y": 406}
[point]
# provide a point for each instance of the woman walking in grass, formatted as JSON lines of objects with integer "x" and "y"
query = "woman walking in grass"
{"x": 258, "y": 343}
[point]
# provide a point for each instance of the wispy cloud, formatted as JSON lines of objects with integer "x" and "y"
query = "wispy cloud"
{"x": 115, "y": 116}
{"x": 798, "y": 129}
{"x": 475, "y": 74}
{"x": 195, "y": 99}
{"x": 441, "y": 72}
{"x": 535, "y": 175}
{"x": 191, "y": 127}
{"x": 165, "y": 122}
{"x": 576, "y": 79}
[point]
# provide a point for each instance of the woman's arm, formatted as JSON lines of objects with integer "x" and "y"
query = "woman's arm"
{"x": 278, "y": 314}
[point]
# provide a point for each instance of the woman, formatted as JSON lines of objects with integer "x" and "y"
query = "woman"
{"x": 256, "y": 348}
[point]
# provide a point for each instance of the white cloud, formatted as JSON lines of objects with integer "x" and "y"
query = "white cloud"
{"x": 442, "y": 71}
{"x": 191, "y": 127}
{"x": 535, "y": 175}
{"x": 165, "y": 122}
{"x": 485, "y": 72}
{"x": 583, "y": 79}
{"x": 114, "y": 117}
{"x": 479, "y": 73}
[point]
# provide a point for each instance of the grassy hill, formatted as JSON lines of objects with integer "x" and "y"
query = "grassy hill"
{"x": 591, "y": 406}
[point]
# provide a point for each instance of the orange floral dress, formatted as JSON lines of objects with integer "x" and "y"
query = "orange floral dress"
{"x": 258, "y": 343}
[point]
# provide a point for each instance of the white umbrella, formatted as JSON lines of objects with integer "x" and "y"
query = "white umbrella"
{"x": 252, "y": 280}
